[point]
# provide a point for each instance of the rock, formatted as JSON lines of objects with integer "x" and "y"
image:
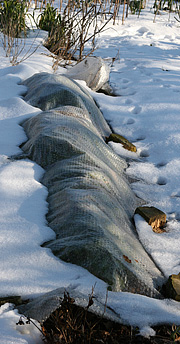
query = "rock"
{"x": 153, "y": 216}
{"x": 121, "y": 139}
{"x": 93, "y": 70}
{"x": 172, "y": 287}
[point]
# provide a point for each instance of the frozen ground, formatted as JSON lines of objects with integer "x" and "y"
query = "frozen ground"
{"x": 146, "y": 78}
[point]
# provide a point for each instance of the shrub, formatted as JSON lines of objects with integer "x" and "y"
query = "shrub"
{"x": 51, "y": 22}
{"x": 49, "y": 18}
{"x": 12, "y": 17}
{"x": 12, "y": 25}
{"x": 135, "y": 6}
{"x": 69, "y": 32}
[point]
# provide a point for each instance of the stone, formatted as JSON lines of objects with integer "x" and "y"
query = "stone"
{"x": 121, "y": 139}
{"x": 93, "y": 70}
{"x": 153, "y": 216}
{"x": 172, "y": 287}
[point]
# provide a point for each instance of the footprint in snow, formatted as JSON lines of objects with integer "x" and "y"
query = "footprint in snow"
{"x": 166, "y": 85}
{"x": 124, "y": 87}
{"x": 145, "y": 72}
{"x": 176, "y": 90}
{"x": 141, "y": 138}
{"x": 130, "y": 121}
{"x": 161, "y": 164}
{"x": 143, "y": 30}
{"x": 157, "y": 80}
{"x": 128, "y": 101}
{"x": 176, "y": 194}
{"x": 172, "y": 216}
{"x": 148, "y": 73}
{"x": 126, "y": 92}
{"x": 177, "y": 216}
{"x": 137, "y": 109}
{"x": 144, "y": 153}
{"x": 162, "y": 181}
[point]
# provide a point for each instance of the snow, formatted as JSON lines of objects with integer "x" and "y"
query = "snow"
{"x": 11, "y": 333}
{"x": 145, "y": 76}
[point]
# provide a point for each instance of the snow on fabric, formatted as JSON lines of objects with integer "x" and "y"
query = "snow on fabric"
{"x": 145, "y": 74}
{"x": 93, "y": 70}
{"x": 26, "y": 267}
{"x": 91, "y": 204}
{"x": 47, "y": 91}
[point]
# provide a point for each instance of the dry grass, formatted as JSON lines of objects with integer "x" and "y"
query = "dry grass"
{"x": 72, "y": 324}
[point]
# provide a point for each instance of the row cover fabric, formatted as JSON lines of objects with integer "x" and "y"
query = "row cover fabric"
{"x": 91, "y": 204}
{"x": 47, "y": 91}
{"x": 42, "y": 306}
{"x": 93, "y": 70}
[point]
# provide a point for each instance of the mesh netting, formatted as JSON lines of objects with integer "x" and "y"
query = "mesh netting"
{"x": 54, "y": 136}
{"x": 47, "y": 91}
{"x": 43, "y": 306}
{"x": 90, "y": 202}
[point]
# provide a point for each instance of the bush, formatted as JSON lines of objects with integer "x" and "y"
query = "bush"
{"x": 12, "y": 25}
{"x": 69, "y": 32}
{"x": 135, "y": 6}
{"x": 49, "y": 19}
{"x": 51, "y": 22}
{"x": 12, "y": 17}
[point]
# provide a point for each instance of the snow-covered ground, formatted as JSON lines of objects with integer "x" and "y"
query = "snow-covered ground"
{"x": 147, "y": 112}
{"x": 146, "y": 78}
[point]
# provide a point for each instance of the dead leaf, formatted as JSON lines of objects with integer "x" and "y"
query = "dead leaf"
{"x": 126, "y": 259}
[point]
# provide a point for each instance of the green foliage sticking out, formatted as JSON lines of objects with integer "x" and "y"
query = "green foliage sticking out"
{"x": 135, "y": 6}
{"x": 49, "y": 18}
{"x": 68, "y": 33}
{"x": 12, "y": 17}
{"x": 13, "y": 27}
{"x": 51, "y": 22}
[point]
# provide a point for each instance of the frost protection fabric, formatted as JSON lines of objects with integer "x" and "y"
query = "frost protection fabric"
{"x": 91, "y": 204}
{"x": 47, "y": 91}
